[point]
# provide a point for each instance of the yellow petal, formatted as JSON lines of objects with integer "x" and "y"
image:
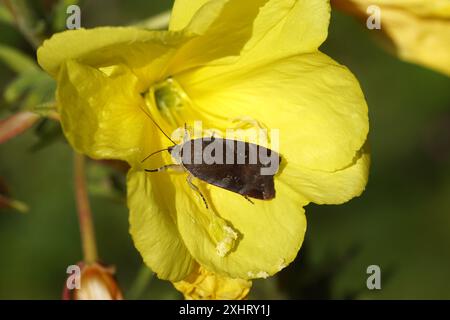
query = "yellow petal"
{"x": 145, "y": 52}
{"x": 315, "y": 103}
{"x": 153, "y": 225}
{"x": 183, "y": 11}
{"x": 284, "y": 28}
{"x": 223, "y": 26}
{"x": 254, "y": 29}
{"x": 323, "y": 187}
{"x": 101, "y": 114}
{"x": 259, "y": 240}
{"x": 205, "y": 285}
{"x": 419, "y": 30}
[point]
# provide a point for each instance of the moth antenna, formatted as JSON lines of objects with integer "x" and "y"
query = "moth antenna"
{"x": 153, "y": 153}
{"x": 157, "y": 125}
{"x": 186, "y": 133}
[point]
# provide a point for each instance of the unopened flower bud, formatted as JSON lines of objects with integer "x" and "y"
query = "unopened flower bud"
{"x": 91, "y": 282}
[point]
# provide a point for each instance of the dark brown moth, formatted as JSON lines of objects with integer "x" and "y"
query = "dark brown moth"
{"x": 237, "y": 166}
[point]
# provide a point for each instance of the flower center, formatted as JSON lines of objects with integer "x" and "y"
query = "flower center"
{"x": 169, "y": 98}
{"x": 169, "y": 94}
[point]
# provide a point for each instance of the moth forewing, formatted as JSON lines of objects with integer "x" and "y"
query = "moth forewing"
{"x": 245, "y": 176}
{"x": 237, "y": 166}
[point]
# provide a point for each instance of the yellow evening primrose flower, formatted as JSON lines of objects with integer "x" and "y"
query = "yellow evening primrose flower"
{"x": 418, "y": 30}
{"x": 204, "y": 285}
{"x": 220, "y": 60}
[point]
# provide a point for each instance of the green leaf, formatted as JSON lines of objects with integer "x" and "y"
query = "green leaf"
{"x": 16, "y": 60}
{"x": 30, "y": 89}
{"x": 27, "y": 21}
{"x": 5, "y": 15}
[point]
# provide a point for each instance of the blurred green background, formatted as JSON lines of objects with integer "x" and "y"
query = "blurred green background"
{"x": 401, "y": 222}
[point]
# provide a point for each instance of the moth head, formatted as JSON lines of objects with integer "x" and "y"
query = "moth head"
{"x": 176, "y": 152}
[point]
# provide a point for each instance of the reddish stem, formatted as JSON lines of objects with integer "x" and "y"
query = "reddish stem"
{"x": 16, "y": 124}
{"x": 84, "y": 212}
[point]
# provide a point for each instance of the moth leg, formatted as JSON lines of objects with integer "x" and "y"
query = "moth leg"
{"x": 247, "y": 122}
{"x": 248, "y": 199}
{"x": 212, "y": 133}
{"x": 175, "y": 167}
{"x": 196, "y": 189}
{"x": 187, "y": 133}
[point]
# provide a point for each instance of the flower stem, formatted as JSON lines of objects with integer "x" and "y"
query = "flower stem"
{"x": 84, "y": 211}
{"x": 143, "y": 279}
